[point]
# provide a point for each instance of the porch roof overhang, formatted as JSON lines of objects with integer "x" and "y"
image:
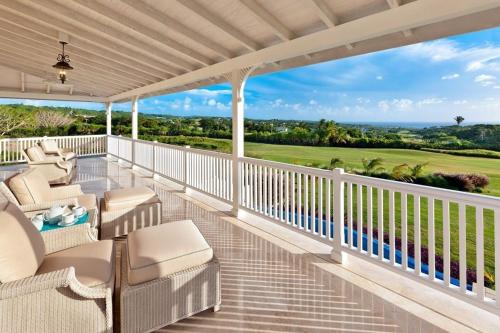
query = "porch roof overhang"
{"x": 122, "y": 49}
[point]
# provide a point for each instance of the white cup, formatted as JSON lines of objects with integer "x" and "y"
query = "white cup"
{"x": 37, "y": 221}
{"x": 78, "y": 210}
{"x": 68, "y": 218}
{"x": 55, "y": 211}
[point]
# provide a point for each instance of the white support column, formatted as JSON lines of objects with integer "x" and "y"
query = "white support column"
{"x": 238, "y": 79}
{"x": 338, "y": 215}
{"x": 135, "y": 126}
{"x": 109, "y": 106}
{"x": 135, "y": 122}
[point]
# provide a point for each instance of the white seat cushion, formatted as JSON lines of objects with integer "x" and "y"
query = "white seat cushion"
{"x": 21, "y": 246}
{"x": 128, "y": 197}
{"x": 165, "y": 249}
{"x": 93, "y": 263}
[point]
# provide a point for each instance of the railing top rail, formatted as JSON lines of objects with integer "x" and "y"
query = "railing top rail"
{"x": 289, "y": 167}
{"x": 427, "y": 191}
{"x": 52, "y": 137}
{"x": 210, "y": 153}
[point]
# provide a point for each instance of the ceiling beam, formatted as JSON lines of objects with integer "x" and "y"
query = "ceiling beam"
{"x": 4, "y": 93}
{"x": 395, "y": 4}
{"x": 174, "y": 25}
{"x": 327, "y": 16}
{"x": 411, "y": 15}
{"x": 269, "y": 19}
{"x": 12, "y": 22}
{"x": 145, "y": 31}
{"x": 102, "y": 35}
{"x": 222, "y": 25}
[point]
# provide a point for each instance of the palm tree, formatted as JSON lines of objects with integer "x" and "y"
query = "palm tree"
{"x": 372, "y": 166}
{"x": 417, "y": 170}
{"x": 459, "y": 119}
{"x": 336, "y": 163}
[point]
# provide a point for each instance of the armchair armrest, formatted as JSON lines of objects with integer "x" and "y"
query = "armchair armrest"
{"x": 64, "y": 278}
{"x": 48, "y": 160}
{"x": 31, "y": 209}
{"x": 65, "y": 192}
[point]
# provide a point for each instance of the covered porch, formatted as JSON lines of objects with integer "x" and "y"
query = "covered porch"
{"x": 302, "y": 249}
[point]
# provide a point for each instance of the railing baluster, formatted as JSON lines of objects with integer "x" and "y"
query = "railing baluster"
{"x": 307, "y": 225}
{"x": 404, "y": 231}
{"x": 359, "y": 216}
{"x": 293, "y": 199}
{"x": 264, "y": 199}
{"x": 349, "y": 214}
{"x": 369, "y": 219}
{"x": 496, "y": 221}
{"x": 380, "y": 222}
{"x": 392, "y": 228}
{"x": 287, "y": 197}
{"x": 328, "y": 226}
{"x": 446, "y": 242}
{"x": 416, "y": 224}
{"x": 462, "y": 240}
{"x": 314, "y": 222}
{"x": 431, "y": 240}
{"x": 299, "y": 199}
{"x": 320, "y": 206}
{"x": 480, "y": 253}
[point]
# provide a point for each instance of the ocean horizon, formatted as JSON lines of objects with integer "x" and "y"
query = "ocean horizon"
{"x": 410, "y": 124}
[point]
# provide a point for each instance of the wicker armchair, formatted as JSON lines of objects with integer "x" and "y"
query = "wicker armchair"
{"x": 30, "y": 191}
{"x": 56, "y": 169}
{"x": 61, "y": 291}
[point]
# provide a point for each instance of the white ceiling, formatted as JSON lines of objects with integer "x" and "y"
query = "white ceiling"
{"x": 126, "y": 48}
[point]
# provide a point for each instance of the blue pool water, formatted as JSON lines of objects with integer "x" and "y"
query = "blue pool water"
{"x": 398, "y": 255}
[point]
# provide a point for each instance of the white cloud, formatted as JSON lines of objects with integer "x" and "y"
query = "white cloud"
{"x": 212, "y": 102}
{"x": 277, "y": 103}
{"x": 379, "y": 77}
{"x": 460, "y": 102}
{"x": 485, "y": 80}
{"x": 430, "y": 101}
{"x": 187, "y": 104}
{"x": 403, "y": 103}
{"x": 383, "y": 105}
{"x": 362, "y": 100}
{"x": 486, "y": 63}
{"x": 438, "y": 50}
{"x": 313, "y": 102}
{"x": 496, "y": 87}
{"x": 450, "y": 77}
{"x": 484, "y": 77}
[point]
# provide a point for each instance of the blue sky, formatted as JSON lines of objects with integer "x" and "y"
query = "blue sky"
{"x": 426, "y": 82}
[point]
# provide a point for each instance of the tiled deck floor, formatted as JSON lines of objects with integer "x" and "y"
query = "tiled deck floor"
{"x": 265, "y": 288}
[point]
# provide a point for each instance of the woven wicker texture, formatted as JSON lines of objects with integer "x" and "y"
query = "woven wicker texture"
{"x": 54, "y": 302}
{"x": 157, "y": 303}
{"x": 123, "y": 221}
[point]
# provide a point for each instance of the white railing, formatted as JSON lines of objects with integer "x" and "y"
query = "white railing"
{"x": 82, "y": 145}
{"x": 434, "y": 235}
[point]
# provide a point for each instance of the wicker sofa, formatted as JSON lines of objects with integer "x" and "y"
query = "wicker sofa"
{"x": 42, "y": 291}
{"x": 56, "y": 169}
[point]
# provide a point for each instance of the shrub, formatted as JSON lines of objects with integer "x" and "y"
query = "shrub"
{"x": 465, "y": 182}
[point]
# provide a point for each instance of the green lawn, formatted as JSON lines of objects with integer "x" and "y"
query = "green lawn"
{"x": 437, "y": 162}
{"x": 392, "y": 157}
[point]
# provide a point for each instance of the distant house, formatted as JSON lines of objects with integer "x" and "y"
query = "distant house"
{"x": 282, "y": 129}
